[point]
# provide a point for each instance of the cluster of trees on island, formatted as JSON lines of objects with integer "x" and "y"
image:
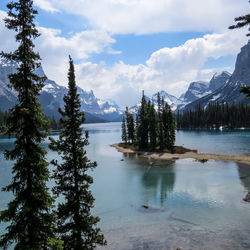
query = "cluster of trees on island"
{"x": 31, "y": 218}
{"x": 215, "y": 116}
{"x": 153, "y": 128}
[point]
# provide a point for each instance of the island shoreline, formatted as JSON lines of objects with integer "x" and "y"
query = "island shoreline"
{"x": 202, "y": 157}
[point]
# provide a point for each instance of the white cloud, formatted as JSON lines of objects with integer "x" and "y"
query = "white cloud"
{"x": 8, "y": 43}
{"x": 147, "y": 16}
{"x": 170, "y": 69}
{"x": 54, "y": 49}
{"x": 45, "y": 5}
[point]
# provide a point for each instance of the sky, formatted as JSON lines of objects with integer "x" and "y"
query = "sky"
{"x": 121, "y": 47}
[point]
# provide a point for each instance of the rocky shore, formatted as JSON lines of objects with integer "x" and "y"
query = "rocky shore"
{"x": 181, "y": 153}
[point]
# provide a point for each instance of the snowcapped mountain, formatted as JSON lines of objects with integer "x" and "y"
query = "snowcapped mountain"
{"x": 51, "y": 98}
{"x": 199, "y": 89}
{"x": 229, "y": 85}
{"x": 196, "y": 90}
{"x": 171, "y": 100}
{"x": 219, "y": 80}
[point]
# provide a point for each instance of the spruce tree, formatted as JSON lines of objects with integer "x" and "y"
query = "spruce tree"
{"x": 76, "y": 225}
{"x": 152, "y": 125}
{"x": 160, "y": 123}
{"x": 171, "y": 129}
{"x": 29, "y": 217}
{"x": 142, "y": 131}
{"x": 124, "y": 131}
{"x": 130, "y": 126}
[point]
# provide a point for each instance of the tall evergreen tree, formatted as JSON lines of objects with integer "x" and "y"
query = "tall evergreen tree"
{"x": 160, "y": 122}
{"x": 124, "y": 131}
{"x": 142, "y": 131}
{"x": 152, "y": 125}
{"x": 29, "y": 217}
{"x": 76, "y": 225}
{"x": 171, "y": 129}
{"x": 130, "y": 126}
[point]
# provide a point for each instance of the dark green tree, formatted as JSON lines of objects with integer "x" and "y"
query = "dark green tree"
{"x": 171, "y": 129}
{"x": 124, "y": 131}
{"x": 29, "y": 217}
{"x": 76, "y": 225}
{"x": 242, "y": 21}
{"x": 160, "y": 122}
{"x": 142, "y": 130}
{"x": 130, "y": 126}
{"x": 152, "y": 126}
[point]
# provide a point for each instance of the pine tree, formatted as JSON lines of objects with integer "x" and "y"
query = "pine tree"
{"x": 124, "y": 131}
{"x": 142, "y": 131}
{"x": 172, "y": 127}
{"x": 160, "y": 123}
{"x": 130, "y": 126}
{"x": 152, "y": 125}
{"x": 76, "y": 225}
{"x": 29, "y": 217}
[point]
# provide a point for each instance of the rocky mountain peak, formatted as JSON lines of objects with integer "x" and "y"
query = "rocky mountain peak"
{"x": 219, "y": 80}
{"x": 242, "y": 66}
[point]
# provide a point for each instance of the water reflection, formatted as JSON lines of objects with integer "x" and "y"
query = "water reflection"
{"x": 244, "y": 175}
{"x": 158, "y": 182}
{"x": 157, "y": 178}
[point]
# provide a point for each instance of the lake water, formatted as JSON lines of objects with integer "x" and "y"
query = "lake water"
{"x": 191, "y": 204}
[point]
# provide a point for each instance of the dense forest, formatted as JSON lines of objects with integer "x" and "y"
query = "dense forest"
{"x": 153, "y": 128}
{"x": 53, "y": 124}
{"x": 214, "y": 116}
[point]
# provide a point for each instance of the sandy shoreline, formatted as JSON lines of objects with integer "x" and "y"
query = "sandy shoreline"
{"x": 245, "y": 159}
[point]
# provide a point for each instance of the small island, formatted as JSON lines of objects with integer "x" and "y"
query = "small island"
{"x": 153, "y": 136}
{"x": 180, "y": 153}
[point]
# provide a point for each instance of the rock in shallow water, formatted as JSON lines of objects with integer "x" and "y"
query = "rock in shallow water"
{"x": 247, "y": 198}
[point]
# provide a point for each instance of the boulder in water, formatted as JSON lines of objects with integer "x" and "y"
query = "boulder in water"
{"x": 247, "y": 198}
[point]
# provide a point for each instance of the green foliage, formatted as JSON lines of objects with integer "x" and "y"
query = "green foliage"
{"x": 155, "y": 129}
{"x": 214, "y": 116}
{"x": 29, "y": 215}
{"x": 124, "y": 131}
{"x": 76, "y": 225}
{"x": 152, "y": 117}
{"x": 142, "y": 123}
{"x": 130, "y": 126}
{"x": 242, "y": 21}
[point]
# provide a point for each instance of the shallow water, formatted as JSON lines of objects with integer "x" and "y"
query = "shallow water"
{"x": 190, "y": 204}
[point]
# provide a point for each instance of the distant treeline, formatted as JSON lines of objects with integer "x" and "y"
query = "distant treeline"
{"x": 214, "y": 116}
{"x": 54, "y": 124}
{"x": 153, "y": 128}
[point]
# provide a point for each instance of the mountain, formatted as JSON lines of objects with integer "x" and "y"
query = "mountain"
{"x": 219, "y": 80}
{"x": 199, "y": 89}
{"x": 195, "y": 91}
{"x": 229, "y": 92}
{"x": 171, "y": 100}
{"x": 51, "y": 98}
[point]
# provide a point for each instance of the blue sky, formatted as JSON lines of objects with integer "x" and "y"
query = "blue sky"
{"x": 121, "y": 47}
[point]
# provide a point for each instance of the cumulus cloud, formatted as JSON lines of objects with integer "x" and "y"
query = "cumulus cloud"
{"x": 170, "y": 69}
{"x": 54, "y": 49}
{"x": 147, "y": 16}
{"x": 7, "y": 42}
{"x": 45, "y": 5}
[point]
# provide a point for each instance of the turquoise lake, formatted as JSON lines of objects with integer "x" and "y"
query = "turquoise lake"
{"x": 191, "y": 204}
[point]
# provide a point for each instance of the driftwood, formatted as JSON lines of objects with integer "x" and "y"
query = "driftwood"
{"x": 181, "y": 220}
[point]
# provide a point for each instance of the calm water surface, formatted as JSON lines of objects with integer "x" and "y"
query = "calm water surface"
{"x": 192, "y": 205}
